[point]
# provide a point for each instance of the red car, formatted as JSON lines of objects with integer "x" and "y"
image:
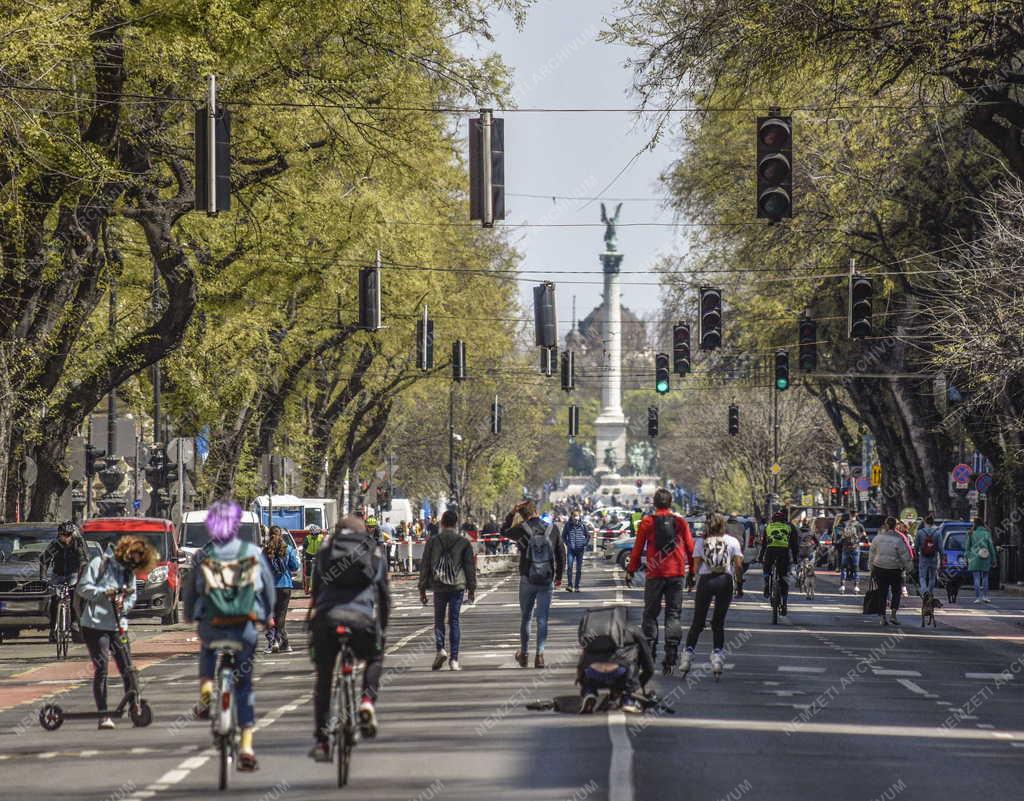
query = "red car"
{"x": 159, "y": 590}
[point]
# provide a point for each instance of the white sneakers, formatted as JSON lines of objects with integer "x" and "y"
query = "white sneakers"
{"x": 106, "y": 723}
{"x": 453, "y": 664}
{"x": 439, "y": 660}
{"x": 856, "y": 589}
{"x": 842, "y": 588}
{"x": 685, "y": 661}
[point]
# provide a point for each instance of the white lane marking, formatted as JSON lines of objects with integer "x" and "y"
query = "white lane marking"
{"x": 48, "y": 755}
{"x": 1004, "y": 676}
{"x": 817, "y": 729}
{"x": 914, "y": 688}
{"x": 800, "y": 669}
{"x": 787, "y": 693}
{"x": 174, "y": 776}
{"x": 986, "y": 726}
{"x": 914, "y": 674}
{"x": 194, "y": 762}
{"x": 620, "y": 771}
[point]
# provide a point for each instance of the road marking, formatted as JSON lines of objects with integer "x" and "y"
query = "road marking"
{"x": 886, "y": 672}
{"x": 986, "y": 726}
{"x": 844, "y": 729}
{"x": 800, "y": 669}
{"x": 914, "y": 688}
{"x": 620, "y": 771}
{"x": 1004, "y": 676}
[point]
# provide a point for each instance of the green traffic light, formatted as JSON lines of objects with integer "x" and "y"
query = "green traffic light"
{"x": 662, "y": 387}
{"x": 781, "y": 383}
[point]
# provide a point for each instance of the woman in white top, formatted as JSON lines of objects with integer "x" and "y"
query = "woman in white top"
{"x": 718, "y": 558}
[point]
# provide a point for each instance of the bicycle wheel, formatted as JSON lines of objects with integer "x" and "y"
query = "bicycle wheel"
{"x": 775, "y": 597}
{"x": 346, "y": 728}
{"x": 225, "y": 761}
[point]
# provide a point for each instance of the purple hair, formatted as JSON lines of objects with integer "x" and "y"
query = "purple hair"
{"x": 222, "y": 521}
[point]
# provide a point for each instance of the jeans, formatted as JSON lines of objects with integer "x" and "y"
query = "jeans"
{"x": 244, "y": 661}
{"x": 530, "y": 595}
{"x": 574, "y": 558}
{"x": 101, "y": 644}
{"x": 889, "y": 581}
{"x": 450, "y": 600}
{"x": 671, "y": 590}
{"x": 980, "y": 583}
{"x": 851, "y": 563}
{"x": 927, "y": 571}
{"x": 710, "y": 587}
{"x": 324, "y": 653}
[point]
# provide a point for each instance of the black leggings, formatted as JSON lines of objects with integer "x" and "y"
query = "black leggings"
{"x": 101, "y": 644}
{"x": 717, "y": 587}
{"x": 887, "y": 579}
{"x": 325, "y": 654}
{"x": 282, "y": 598}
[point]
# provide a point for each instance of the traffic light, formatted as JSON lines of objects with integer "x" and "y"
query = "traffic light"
{"x": 92, "y": 456}
{"x": 734, "y": 420}
{"x": 458, "y": 360}
{"x": 568, "y": 371}
{"x": 369, "y": 297}
{"x": 774, "y": 167}
{"x": 574, "y": 421}
{"x": 808, "y": 334}
{"x": 652, "y": 421}
{"x": 834, "y": 496}
{"x": 547, "y": 361}
{"x": 782, "y": 370}
{"x": 710, "y": 318}
{"x": 661, "y": 382}
{"x": 545, "y": 319}
{"x": 425, "y": 342}
{"x": 681, "y": 348}
{"x": 495, "y": 416}
{"x": 860, "y": 306}
{"x": 486, "y": 168}
{"x": 213, "y": 155}
{"x": 171, "y": 475}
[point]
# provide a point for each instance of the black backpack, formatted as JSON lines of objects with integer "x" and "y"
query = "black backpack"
{"x": 541, "y": 556}
{"x": 603, "y": 631}
{"x": 349, "y": 560}
{"x": 665, "y": 533}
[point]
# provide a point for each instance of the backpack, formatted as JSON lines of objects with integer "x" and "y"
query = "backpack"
{"x": 229, "y": 586}
{"x": 540, "y": 556}
{"x": 928, "y": 545}
{"x": 362, "y": 613}
{"x": 446, "y": 570}
{"x": 603, "y": 631}
{"x": 348, "y": 562}
{"x": 716, "y": 554}
{"x": 664, "y": 533}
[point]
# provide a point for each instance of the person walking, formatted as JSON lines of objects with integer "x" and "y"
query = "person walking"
{"x": 888, "y": 557}
{"x": 576, "y": 537}
{"x": 448, "y": 567}
{"x": 929, "y": 554}
{"x": 981, "y": 554}
{"x": 718, "y": 559}
{"x": 668, "y": 543}
{"x": 853, "y": 535}
{"x": 283, "y": 560}
{"x": 541, "y": 564}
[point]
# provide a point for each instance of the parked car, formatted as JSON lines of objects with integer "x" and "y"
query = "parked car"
{"x": 953, "y": 536}
{"x": 159, "y": 590}
{"x": 24, "y": 597}
{"x": 621, "y": 550}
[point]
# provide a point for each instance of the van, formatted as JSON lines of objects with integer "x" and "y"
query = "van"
{"x": 194, "y": 535}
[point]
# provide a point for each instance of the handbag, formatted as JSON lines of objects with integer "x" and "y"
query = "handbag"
{"x": 873, "y": 599}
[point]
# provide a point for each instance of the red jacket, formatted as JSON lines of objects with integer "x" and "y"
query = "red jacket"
{"x": 671, "y": 565}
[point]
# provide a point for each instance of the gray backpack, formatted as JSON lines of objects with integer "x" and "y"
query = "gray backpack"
{"x": 540, "y": 556}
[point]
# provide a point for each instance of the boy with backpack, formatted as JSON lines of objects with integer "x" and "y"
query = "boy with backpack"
{"x": 350, "y": 588}
{"x": 615, "y": 657}
{"x": 448, "y": 567}
{"x": 231, "y": 588}
{"x": 541, "y": 562}
{"x": 929, "y": 553}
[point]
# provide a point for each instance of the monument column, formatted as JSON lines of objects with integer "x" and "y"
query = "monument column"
{"x": 610, "y": 425}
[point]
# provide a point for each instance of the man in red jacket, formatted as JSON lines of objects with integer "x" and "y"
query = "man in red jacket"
{"x": 669, "y": 545}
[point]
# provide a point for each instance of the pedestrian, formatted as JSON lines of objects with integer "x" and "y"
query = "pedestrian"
{"x": 491, "y": 532}
{"x": 929, "y": 555}
{"x": 576, "y": 537}
{"x": 718, "y": 558}
{"x": 283, "y": 560}
{"x": 448, "y": 567}
{"x": 888, "y": 557}
{"x": 107, "y": 589}
{"x": 904, "y": 531}
{"x": 853, "y": 535}
{"x": 668, "y": 543}
{"x": 981, "y": 555}
{"x": 541, "y": 564}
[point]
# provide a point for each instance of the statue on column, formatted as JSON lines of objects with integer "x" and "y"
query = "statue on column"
{"x": 610, "y": 241}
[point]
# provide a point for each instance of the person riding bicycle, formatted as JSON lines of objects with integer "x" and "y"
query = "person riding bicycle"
{"x": 230, "y": 589}
{"x": 65, "y": 558}
{"x": 809, "y": 543}
{"x": 314, "y": 537}
{"x": 350, "y": 588}
{"x": 779, "y": 548}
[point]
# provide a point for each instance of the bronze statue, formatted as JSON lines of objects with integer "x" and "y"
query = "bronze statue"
{"x": 609, "y": 228}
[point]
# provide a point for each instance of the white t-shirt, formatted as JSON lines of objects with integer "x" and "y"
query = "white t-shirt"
{"x": 731, "y": 543}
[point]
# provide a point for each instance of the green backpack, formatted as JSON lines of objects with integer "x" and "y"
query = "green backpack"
{"x": 229, "y": 587}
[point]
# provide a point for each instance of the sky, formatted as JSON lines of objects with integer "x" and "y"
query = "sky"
{"x": 559, "y": 63}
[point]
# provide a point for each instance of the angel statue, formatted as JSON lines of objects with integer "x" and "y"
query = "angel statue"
{"x": 609, "y": 228}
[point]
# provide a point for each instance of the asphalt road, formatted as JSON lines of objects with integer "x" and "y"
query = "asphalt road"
{"x": 826, "y": 705}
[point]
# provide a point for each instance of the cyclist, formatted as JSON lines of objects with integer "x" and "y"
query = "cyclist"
{"x": 779, "y": 547}
{"x": 66, "y": 557}
{"x": 350, "y": 588}
{"x": 314, "y": 536}
{"x": 227, "y": 571}
{"x": 853, "y": 535}
{"x": 108, "y": 591}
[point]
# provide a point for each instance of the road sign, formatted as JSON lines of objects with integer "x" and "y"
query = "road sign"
{"x": 876, "y": 475}
{"x": 807, "y": 500}
{"x": 776, "y": 469}
{"x": 188, "y": 450}
{"x": 984, "y": 483}
{"x": 962, "y": 473}
{"x": 863, "y": 484}
{"x": 972, "y": 496}
{"x": 863, "y": 496}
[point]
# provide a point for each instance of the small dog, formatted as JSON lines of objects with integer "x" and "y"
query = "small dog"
{"x": 953, "y": 583}
{"x": 929, "y": 603}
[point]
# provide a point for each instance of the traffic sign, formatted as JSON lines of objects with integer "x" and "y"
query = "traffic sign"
{"x": 807, "y": 500}
{"x": 984, "y": 483}
{"x": 776, "y": 469}
{"x": 962, "y": 473}
{"x": 863, "y": 496}
{"x": 876, "y": 475}
{"x": 863, "y": 484}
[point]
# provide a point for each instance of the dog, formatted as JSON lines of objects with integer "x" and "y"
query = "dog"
{"x": 953, "y": 583}
{"x": 929, "y": 603}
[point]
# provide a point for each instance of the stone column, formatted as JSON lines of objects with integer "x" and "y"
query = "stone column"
{"x": 610, "y": 425}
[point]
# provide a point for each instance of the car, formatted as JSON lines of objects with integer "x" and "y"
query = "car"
{"x": 194, "y": 534}
{"x": 612, "y": 533}
{"x": 158, "y": 591}
{"x": 24, "y": 597}
{"x": 621, "y": 550}
{"x": 953, "y": 536}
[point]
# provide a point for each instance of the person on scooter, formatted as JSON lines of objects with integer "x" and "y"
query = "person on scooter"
{"x": 65, "y": 558}
{"x": 107, "y": 589}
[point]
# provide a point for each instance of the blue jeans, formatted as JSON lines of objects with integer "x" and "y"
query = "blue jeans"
{"x": 927, "y": 571}
{"x": 851, "y": 563}
{"x": 574, "y": 559}
{"x": 450, "y": 600}
{"x": 530, "y": 595}
{"x": 244, "y": 662}
{"x": 980, "y": 583}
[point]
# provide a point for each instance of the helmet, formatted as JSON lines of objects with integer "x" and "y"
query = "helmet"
{"x": 779, "y": 516}
{"x": 371, "y": 521}
{"x": 68, "y": 527}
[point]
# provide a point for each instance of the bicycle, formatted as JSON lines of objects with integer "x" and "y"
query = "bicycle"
{"x": 344, "y": 719}
{"x": 775, "y": 592}
{"x": 805, "y": 577}
{"x": 62, "y": 621}
{"x": 224, "y": 718}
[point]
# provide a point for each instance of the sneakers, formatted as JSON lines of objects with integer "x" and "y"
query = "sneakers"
{"x": 976, "y": 601}
{"x": 269, "y": 649}
{"x": 106, "y": 722}
{"x": 894, "y": 620}
{"x": 538, "y": 660}
{"x": 784, "y": 610}
{"x": 320, "y": 752}
{"x": 440, "y": 659}
{"x": 856, "y": 588}
{"x": 842, "y": 588}
{"x": 629, "y": 705}
{"x": 906, "y": 592}
{"x": 367, "y": 718}
{"x": 589, "y": 703}
{"x": 686, "y": 661}
{"x": 287, "y": 649}
{"x": 717, "y": 663}
{"x": 453, "y": 664}
{"x": 568, "y": 588}
{"x": 247, "y": 762}
{"x": 275, "y": 647}
{"x": 986, "y": 600}
{"x": 521, "y": 658}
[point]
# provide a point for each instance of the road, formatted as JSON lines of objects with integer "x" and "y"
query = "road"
{"x": 825, "y": 705}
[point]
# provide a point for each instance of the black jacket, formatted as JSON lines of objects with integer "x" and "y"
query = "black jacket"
{"x": 461, "y": 550}
{"x": 325, "y": 596}
{"x": 520, "y": 535}
{"x": 64, "y": 561}
{"x": 634, "y": 652}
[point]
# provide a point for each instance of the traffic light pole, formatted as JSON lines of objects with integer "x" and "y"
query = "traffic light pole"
{"x": 775, "y": 444}
{"x": 451, "y": 444}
